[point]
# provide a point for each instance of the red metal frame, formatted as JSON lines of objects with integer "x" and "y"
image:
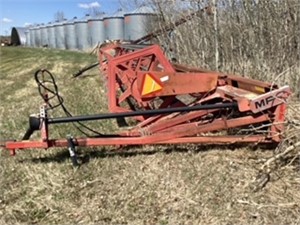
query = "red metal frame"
{"x": 259, "y": 117}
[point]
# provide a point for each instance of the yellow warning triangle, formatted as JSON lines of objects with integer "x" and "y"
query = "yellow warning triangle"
{"x": 150, "y": 85}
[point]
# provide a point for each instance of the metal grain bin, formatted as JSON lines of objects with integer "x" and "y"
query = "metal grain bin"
{"x": 18, "y": 36}
{"x": 70, "y": 34}
{"x": 32, "y": 36}
{"x": 82, "y": 33}
{"x": 27, "y": 35}
{"x": 37, "y": 36}
{"x": 51, "y": 35}
{"x": 60, "y": 35}
{"x": 96, "y": 28}
{"x": 139, "y": 23}
{"x": 114, "y": 26}
{"x": 44, "y": 35}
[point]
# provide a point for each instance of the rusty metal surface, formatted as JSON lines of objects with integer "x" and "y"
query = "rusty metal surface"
{"x": 181, "y": 83}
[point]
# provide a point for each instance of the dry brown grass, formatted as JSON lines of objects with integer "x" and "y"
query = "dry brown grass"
{"x": 169, "y": 185}
{"x": 144, "y": 185}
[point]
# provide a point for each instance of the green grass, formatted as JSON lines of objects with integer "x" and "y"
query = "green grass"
{"x": 19, "y": 93}
{"x": 141, "y": 185}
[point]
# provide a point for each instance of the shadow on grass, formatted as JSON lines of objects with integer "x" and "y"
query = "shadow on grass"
{"x": 84, "y": 156}
{"x": 84, "y": 76}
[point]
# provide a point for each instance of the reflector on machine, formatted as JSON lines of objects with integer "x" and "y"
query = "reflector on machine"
{"x": 150, "y": 85}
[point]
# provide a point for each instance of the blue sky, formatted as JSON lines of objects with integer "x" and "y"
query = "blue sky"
{"x": 18, "y": 13}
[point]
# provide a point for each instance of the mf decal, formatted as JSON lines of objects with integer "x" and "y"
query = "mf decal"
{"x": 270, "y": 99}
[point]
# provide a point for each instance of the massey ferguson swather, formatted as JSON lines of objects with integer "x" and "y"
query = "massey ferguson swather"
{"x": 171, "y": 104}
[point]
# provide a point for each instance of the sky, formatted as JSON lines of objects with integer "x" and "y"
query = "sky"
{"x": 20, "y": 13}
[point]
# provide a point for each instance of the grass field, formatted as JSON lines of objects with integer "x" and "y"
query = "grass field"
{"x": 184, "y": 184}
